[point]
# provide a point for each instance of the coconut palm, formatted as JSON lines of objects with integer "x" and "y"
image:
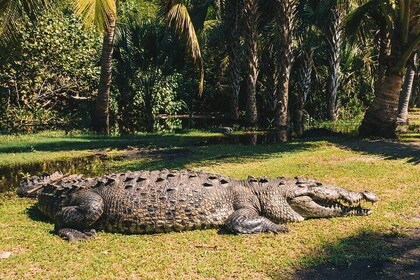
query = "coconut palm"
{"x": 103, "y": 14}
{"x": 178, "y": 16}
{"x": 407, "y": 90}
{"x": 399, "y": 21}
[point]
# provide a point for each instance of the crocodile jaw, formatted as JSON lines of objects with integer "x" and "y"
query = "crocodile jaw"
{"x": 308, "y": 207}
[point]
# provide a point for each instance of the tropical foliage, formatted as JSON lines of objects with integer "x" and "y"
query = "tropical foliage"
{"x": 255, "y": 63}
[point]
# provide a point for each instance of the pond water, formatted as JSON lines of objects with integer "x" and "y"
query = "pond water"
{"x": 99, "y": 164}
{"x": 89, "y": 166}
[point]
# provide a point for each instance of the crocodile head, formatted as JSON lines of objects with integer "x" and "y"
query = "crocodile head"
{"x": 322, "y": 201}
{"x": 30, "y": 186}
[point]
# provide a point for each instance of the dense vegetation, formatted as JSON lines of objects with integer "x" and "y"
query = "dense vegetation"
{"x": 88, "y": 77}
{"x": 252, "y": 63}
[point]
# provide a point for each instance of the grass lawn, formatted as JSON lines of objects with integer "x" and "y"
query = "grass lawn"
{"x": 390, "y": 169}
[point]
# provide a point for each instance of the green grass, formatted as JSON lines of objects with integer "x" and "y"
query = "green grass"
{"x": 47, "y": 146}
{"x": 39, "y": 254}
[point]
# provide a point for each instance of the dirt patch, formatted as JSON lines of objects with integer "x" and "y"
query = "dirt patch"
{"x": 404, "y": 264}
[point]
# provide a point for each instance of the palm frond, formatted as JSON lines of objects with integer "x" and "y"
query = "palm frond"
{"x": 354, "y": 20}
{"x": 179, "y": 18}
{"x": 15, "y": 13}
{"x": 96, "y": 12}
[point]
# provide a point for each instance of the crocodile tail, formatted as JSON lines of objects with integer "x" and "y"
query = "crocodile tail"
{"x": 29, "y": 186}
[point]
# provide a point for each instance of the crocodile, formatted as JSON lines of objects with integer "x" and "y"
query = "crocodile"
{"x": 164, "y": 201}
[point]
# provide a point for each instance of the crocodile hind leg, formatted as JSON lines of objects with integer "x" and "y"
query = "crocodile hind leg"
{"x": 73, "y": 222}
{"x": 247, "y": 221}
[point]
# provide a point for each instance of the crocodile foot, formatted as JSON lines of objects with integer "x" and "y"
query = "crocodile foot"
{"x": 72, "y": 235}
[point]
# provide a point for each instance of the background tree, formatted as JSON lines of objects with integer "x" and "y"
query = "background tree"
{"x": 103, "y": 14}
{"x": 231, "y": 19}
{"x": 285, "y": 28}
{"x": 251, "y": 18}
{"x": 400, "y": 22}
{"x": 407, "y": 90}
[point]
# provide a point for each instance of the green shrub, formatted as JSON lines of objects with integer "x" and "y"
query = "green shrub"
{"x": 51, "y": 76}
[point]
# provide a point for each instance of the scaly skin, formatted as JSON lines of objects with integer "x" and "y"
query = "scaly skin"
{"x": 164, "y": 201}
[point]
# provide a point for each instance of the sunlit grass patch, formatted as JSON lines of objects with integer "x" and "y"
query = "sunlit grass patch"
{"x": 37, "y": 253}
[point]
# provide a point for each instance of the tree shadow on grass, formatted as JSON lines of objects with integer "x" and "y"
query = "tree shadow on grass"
{"x": 367, "y": 255}
{"x": 386, "y": 148}
{"x": 213, "y": 154}
{"x": 89, "y": 142}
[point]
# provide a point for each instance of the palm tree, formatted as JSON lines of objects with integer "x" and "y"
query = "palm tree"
{"x": 231, "y": 20}
{"x": 103, "y": 14}
{"x": 251, "y": 19}
{"x": 399, "y": 21}
{"x": 334, "y": 39}
{"x": 304, "y": 63}
{"x": 328, "y": 15}
{"x": 407, "y": 90}
{"x": 178, "y": 17}
{"x": 304, "y": 83}
{"x": 285, "y": 25}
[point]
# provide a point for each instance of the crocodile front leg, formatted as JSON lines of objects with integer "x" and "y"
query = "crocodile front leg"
{"x": 247, "y": 221}
{"x": 78, "y": 214}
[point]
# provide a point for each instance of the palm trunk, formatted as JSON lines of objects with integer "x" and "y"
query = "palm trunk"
{"x": 251, "y": 42}
{"x": 232, "y": 20}
{"x": 271, "y": 70}
{"x": 285, "y": 23}
{"x": 406, "y": 92}
{"x": 101, "y": 118}
{"x": 334, "y": 44}
{"x": 304, "y": 85}
{"x": 381, "y": 116}
{"x": 384, "y": 46}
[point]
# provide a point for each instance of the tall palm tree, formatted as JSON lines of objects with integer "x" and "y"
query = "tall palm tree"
{"x": 334, "y": 39}
{"x": 304, "y": 83}
{"x": 328, "y": 16}
{"x": 304, "y": 63}
{"x": 400, "y": 21}
{"x": 231, "y": 20}
{"x": 407, "y": 90}
{"x": 103, "y": 14}
{"x": 285, "y": 25}
{"x": 251, "y": 19}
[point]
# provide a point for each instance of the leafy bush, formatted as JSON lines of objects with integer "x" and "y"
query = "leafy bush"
{"x": 51, "y": 74}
